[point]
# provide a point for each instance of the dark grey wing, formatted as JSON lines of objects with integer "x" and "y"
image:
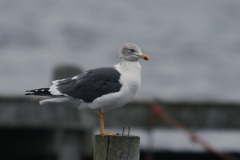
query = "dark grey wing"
{"x": 91, "y": 84}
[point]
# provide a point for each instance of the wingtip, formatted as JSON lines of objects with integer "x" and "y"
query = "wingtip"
{"x": 29, "y": 94}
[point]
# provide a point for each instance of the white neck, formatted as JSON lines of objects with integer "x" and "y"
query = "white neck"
{"x": 129, "y": 66}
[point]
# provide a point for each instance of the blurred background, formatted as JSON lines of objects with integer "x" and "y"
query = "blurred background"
{"x": 193, "y": 75}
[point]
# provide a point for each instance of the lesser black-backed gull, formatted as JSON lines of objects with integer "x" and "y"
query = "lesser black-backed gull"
{"x": 101, "y": 89}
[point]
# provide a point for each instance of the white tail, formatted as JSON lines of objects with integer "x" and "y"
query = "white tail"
{"x": 54, "y": 100}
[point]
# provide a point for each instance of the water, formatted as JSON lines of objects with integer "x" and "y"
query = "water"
{"x": 194, "y": 46}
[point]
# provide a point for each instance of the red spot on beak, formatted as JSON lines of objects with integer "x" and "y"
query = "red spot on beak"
{"x": 145, "y": 57}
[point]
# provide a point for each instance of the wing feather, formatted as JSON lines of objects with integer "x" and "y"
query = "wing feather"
{"x": 91, "y": 84}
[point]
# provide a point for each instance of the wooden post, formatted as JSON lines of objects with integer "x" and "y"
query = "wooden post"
{"x": 119, "y": 147}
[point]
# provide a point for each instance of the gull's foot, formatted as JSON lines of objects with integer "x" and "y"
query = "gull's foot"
{"x": 107, "y": 133}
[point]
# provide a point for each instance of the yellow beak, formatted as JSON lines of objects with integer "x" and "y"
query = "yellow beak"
{"x": 143, "y": 56}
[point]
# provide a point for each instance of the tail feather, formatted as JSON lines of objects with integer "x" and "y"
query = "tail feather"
{"x": 54, "y": 100}
{"x": 39, "y": 92}
{"x": 66, "y": 100}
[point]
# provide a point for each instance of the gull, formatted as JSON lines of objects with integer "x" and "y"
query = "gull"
{"x": 101, "y": 89}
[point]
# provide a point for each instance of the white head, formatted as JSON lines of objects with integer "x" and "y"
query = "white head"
{"x": 131, "y": 52}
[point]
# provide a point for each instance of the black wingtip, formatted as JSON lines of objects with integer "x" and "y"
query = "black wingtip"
{"x": 29, "y": 94}
{"x": 38, "y": 92}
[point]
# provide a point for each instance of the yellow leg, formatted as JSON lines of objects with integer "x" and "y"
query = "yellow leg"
{"x": 102, "y": 132}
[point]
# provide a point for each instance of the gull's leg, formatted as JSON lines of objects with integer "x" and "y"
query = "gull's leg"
{"x": 102, "y": 132}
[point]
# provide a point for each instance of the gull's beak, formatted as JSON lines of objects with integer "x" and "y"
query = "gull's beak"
{"x": 143, "y": 56}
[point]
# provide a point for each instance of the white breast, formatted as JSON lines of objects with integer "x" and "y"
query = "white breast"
{"x": 130, "y": 75}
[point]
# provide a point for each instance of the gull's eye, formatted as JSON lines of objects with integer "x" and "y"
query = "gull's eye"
{"x": 132, "y": 50}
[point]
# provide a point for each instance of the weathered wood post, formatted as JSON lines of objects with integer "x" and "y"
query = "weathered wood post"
{"x": 118, "y": 147}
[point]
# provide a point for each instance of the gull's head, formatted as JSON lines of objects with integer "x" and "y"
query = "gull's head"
{"x": 131, "y": 52}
